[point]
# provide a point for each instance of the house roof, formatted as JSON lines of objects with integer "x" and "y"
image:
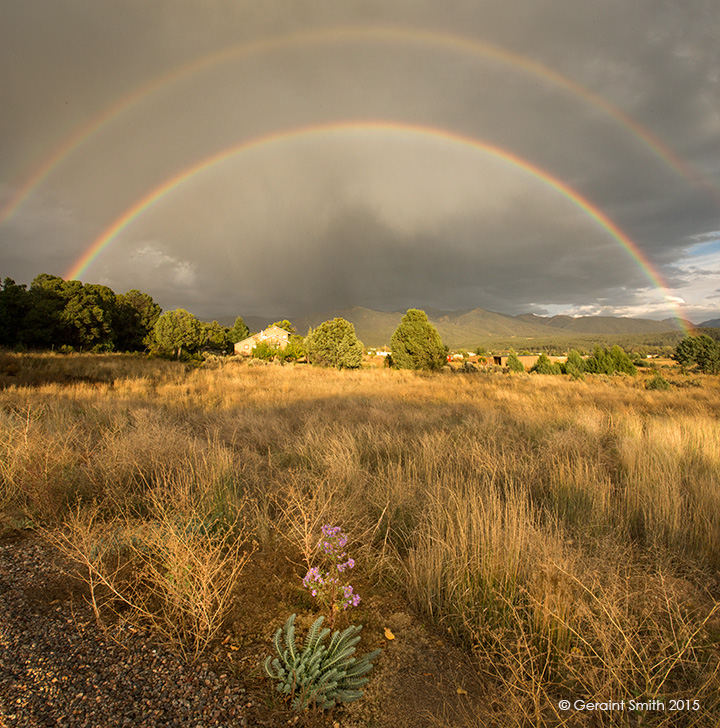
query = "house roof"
{"x": 275, "y": 328}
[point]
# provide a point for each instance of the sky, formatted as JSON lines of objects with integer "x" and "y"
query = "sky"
{"x": 289, "y": 157}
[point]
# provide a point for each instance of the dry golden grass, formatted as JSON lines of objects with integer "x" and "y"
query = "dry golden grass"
{"x": 565, "y": 533}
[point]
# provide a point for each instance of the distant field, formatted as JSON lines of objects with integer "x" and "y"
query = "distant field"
{"x": 564, "y": 534}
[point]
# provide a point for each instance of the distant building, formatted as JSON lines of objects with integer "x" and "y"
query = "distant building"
{"x": 272, "y": 336}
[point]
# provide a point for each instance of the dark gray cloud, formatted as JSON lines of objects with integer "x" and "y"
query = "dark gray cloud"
{"x": 385, "y": 220}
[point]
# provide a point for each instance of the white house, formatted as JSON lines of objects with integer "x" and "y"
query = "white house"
{"x": 272, "y": 336}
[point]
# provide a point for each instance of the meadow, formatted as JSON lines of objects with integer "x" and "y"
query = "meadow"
{"x": 560, "y": 538}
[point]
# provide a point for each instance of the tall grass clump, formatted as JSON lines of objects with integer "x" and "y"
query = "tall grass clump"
{"x": 173, "y": 570}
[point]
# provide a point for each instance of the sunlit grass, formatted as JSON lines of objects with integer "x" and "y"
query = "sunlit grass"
{"x": 565, "y": 533}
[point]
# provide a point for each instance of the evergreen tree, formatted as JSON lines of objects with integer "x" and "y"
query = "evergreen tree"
{"x": 284, "y": 324}
{"x": 215, "y": 336}
{"x": 544, "y": 366}
{"x": 604, "y": 361}
{"x": 575, "y": 364}
{"x": 416, "y": 343}
{"x": 350, "y": 350}
{"x": 700, "y": 351}
{"x": 44, "y": 325}
{"x": 177, "y": 330}
{"x": 239, "y": 331}
{"x": 89, "y": 313}
{"x": 514, "y": 364}
{"x": 136, "y": 314}
{"x": 621, "y": 361}
{"x": 14, "y": 306}
{"x": 334, "y": 344}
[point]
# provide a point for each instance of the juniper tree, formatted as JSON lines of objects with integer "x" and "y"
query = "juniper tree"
{"x": 334, "y": 344}
{"x": 416, "y": 343}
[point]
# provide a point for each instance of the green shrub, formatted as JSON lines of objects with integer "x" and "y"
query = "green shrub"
{"x": 264, "y": 351}
{"x": 544, "y": 366}
{"x": 514, "y": 364}
{"x": 657, "y": 382}
{"x": 320, "y": 674}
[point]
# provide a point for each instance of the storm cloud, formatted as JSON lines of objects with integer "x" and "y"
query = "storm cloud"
{"x": 464, "y": 155}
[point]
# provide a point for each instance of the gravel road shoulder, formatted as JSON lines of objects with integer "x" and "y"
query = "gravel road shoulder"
{"x": 59, "y": 668}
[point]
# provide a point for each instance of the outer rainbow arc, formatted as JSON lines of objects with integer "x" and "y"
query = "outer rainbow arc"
{"x": 330, "y": 35}
{"x": 384, "y": 127}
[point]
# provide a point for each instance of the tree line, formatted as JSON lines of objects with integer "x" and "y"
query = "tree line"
{"x": 72, "y": 316}
{"x": 54, "y": 313}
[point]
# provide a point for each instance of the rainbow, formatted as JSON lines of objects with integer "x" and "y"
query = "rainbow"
{"x": 369, "y": 128}
{"x": 342, "y": 34}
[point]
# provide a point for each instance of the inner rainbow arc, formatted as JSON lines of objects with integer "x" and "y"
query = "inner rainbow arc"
{"x": 81, "y": 265}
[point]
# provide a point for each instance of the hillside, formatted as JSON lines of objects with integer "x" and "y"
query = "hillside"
{"x": 603, "y": 324}
{"x": 473, "y": 327}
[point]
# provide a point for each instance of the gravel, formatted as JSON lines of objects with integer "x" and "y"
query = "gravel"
{"x": 59, "y": 668}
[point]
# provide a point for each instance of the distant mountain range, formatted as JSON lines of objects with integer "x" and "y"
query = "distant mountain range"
{"x": 468, "y": 328}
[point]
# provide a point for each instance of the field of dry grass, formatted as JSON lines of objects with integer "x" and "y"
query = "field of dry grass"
{"x": 564, "y": 535}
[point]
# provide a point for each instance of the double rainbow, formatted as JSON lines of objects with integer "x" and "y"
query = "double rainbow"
{"x": 338, "y": 35}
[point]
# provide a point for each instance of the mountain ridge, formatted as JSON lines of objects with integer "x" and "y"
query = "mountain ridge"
{"x": 469, "y": 327}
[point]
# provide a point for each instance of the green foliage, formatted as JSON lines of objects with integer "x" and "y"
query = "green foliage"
{"x": 334, "y": 344}
{"x": 215, "y": 337}
{"x": 575, "y": 364}
{"x": 134, "y": 320}
{"x": 263, "y": 350}
{"x": 323, "y": 674}
{"x": 239, "y": 331}
{"x": 56, "y": 313}
{"x": 544, "y": 366}
{"x": 87, "y": 314}
{"x": 177, "y": 330}
{"x": 44, "y": 324}
{"x": 284, "y": 324}
{"x": 699, "y": 351}
{"x": 657, "y": 382}
{"x": 294, "y": 350}
{"x": 610, "y": 361}
{"x": 416, "y": 343}
{"x": 14, "y": 305}
{"x": 622, "y": 362}
{"x": 514, "y": 364}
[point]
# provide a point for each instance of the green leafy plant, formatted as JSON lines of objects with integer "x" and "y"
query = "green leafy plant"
{"x": 323, "y": 674}
{"x": 658, "y": 382}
